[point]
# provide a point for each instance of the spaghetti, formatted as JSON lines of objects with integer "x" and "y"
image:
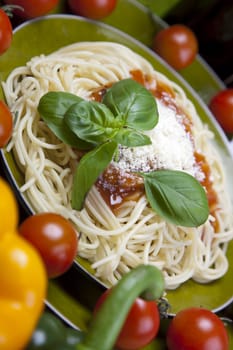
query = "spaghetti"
{"x": 118, "y": 229}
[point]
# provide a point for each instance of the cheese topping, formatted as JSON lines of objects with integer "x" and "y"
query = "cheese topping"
{"x": 171, "y": 148}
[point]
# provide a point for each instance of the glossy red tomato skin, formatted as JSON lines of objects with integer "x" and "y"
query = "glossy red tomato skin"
{"x": 221, "y": 105}
{"x": 141, "y": 326}
{"x": 94, "y": 9}
{"x": 6, "y": 124}
{"x": 197, "y": 329}
{"x": 5, "y": 32}
{"x": 54, "y": 237}
{"x": 33, "y": 8}
{"x": 177, "y": 45}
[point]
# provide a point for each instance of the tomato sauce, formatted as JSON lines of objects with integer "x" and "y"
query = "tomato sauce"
{"x": 117, "y": 186}
{"x": 98, "y": 94}
{"x": 208, "y": 185}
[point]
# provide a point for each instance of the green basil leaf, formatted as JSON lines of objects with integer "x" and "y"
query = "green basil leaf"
{"x": 134, "y": 102}
{"x": 91, "y": 165}
{"x": 92, "y": 121}
{"x": 52, "y": 108}
{"x": 131, "y": 138}
{"x": 177, "y": 197}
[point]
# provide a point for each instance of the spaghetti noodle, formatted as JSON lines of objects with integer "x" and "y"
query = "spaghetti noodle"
{"x": 118, "y": 232}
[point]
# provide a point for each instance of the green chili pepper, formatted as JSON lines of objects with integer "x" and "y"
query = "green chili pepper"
{"x": 145, "y": 281}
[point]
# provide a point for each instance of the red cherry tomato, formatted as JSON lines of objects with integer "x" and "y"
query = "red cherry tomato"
{"x": 197, "y": 329}
{"x": 33, "y": 8}
{"x": 5, "y": 32}
{"x": 177, "y": 45}
{"x": 95, "y": 9}
{"x": 55, "y": 239}
{"x": 221, "y": 106}
{"x": 6, "y": 124}
{"x": 141, "y": 326}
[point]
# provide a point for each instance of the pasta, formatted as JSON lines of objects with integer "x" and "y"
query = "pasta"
{"x": 115, "y": 239}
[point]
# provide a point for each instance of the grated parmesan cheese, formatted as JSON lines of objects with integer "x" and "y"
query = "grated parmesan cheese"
{"x": 171, "y": 148}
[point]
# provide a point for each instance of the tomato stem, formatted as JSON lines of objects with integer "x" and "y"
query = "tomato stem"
{"x": 164, "y": 307}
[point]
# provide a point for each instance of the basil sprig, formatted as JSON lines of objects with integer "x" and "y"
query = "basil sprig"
{"x": 126, "y": 111}
{"x": 177, "y": 197}
{"x": 86, "y": 124}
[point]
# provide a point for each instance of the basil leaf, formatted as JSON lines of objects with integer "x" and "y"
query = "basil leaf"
{"x": 91, "y": 165}
{"x": 52, "y": 108}
{"x": 131, "y": 138}
{"x": 177, "y": 197}
{"x": 92, "y": 121}
{"x": 134, "y": 102}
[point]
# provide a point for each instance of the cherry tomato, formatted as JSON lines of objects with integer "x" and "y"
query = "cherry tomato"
{"x": 177, "y": 45}
{"x": 5, "y": 32}
{"x": 95, "y": 9}
{"x": 33, "y": 8}
{"x": 197, "y": 329}
{"x": 6, "y": 124}
{"x": 141, "y": 325}
{"x": 221, "y": 106}
{"x": 55, "y": 239}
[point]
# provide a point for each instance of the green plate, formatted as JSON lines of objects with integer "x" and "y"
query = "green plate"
{"x": 29, "y": 41}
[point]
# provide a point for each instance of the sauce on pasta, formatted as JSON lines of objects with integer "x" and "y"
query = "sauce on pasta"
{"x": 117, "y": 186}
{"x": 207, "y": 183}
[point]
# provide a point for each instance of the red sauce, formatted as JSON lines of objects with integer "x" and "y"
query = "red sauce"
{"x": 117, "y": 186}
{"x": 98, "y": 94}
{"x": 208, "y": 184}
{"x": 157, "y": 88}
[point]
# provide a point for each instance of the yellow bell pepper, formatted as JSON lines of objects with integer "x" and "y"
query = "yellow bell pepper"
{"x": 23, "y": 283}
{"x": 9, "y": 215}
